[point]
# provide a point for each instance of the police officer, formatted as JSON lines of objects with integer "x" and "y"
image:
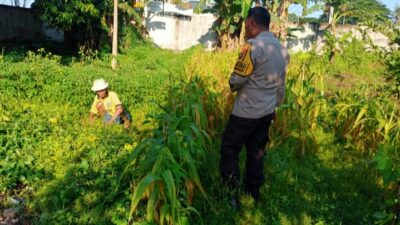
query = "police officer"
{"x": 259, "y": 80}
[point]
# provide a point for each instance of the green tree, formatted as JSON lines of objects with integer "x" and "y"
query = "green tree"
{"x": 232, "y": 14}
{"x": 279, "y": 10}
{"x": 396, "y": 14}
{"x": 80, "y": 19}
{"x": 230, "y": 28}
{"x": 86, "y": 22}
{"x": 355, "y": 11}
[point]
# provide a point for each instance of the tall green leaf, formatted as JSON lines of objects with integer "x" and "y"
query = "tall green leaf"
{"x": 141, "y": 189}
{"x": 246, "y": 5}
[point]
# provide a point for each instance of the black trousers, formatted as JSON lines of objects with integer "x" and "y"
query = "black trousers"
{"x": 252, "y": 133}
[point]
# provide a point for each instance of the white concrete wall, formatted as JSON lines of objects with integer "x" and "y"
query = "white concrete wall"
{"x": 181, "y": 32}
{"x": 174, "y": 28}
{"x": 377, "y": 39}
{"x": 312, "y": 35}
{"x": 304, "y": 38}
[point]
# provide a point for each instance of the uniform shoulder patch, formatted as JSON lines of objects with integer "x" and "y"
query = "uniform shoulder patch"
{"x": 244, "y": 66}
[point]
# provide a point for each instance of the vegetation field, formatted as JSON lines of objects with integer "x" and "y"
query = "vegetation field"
{"x": 332, "y": 158}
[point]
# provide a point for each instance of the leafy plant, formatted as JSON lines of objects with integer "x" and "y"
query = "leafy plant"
{"x": 393, "y": 63}
{"x": 169, "y": 159}
{"x": 333, "y": 44}
{"x": 85, "y": 23}
{"x": 392, "y": 56}
{"x": 304, "y": 104}
{"x": 388, "y": 167}
{"x": 231, "y": 21}
{"x": 165, "y": 170}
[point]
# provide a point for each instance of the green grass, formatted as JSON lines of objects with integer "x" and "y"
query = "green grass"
{"x": 48, "y": 145}
{"x": 320, "y": 166}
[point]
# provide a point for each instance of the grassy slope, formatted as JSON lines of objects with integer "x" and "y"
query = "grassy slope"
{"x": 75, "y": 167}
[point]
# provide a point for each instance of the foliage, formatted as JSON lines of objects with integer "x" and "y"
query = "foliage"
{"x": 392, "y": 31}
{"x": 46, "y": 142}
{"x": 232, "y": 14}
{"x": 80, "y": 19}
{"x": 129, "y": 34}
{"x": 396, "y": 15}
{"x": 332, "y": 128}
{"x": 231, "y": 20}
{"x": 87, "y": 22}
{"x": 66, "y": 15}
{"x": 356, "y": 11}
{"x": 379, "y": 117}
{"x": 303, "y": 105}
{"x": 393, "y": 63}
{"x": 324, "y": 119}
{"x": 387, "y": 163}
{"x": 168, "y": 160}
{"x": 393, "y": 58}
{"x": 387, "y": 159}
{"x": 334, "y": 44}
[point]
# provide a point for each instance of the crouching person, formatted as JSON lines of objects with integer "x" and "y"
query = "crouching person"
{"x": 107, "y": 105}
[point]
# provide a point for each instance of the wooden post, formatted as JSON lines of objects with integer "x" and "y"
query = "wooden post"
{"x": 331, "y": 13}
{"x": 115, "y": 37}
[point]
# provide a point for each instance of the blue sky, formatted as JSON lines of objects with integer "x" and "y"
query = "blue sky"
{"x": 391, "y": 4}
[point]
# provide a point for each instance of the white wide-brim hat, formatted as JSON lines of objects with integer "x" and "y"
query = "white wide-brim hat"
{"x": 99, "y": 85}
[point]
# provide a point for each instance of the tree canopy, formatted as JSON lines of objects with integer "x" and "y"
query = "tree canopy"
{"x": 360, "y": 10}
{"x": 66, "y": 14}
{"x": 87, "y": 23}
{"x": 82, "y": 20}
{"x": 396, "y": 14}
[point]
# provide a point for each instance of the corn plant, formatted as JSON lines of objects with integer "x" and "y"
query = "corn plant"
{"x": 215, "y": 79}
{"x": 362, "y": 120}
{"x": 298, "y": 117}
{"x": 169, "y": 159}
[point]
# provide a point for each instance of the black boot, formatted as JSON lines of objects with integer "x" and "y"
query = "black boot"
{"x": 256, "y": 195}
{"x": 254, "y": 192}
